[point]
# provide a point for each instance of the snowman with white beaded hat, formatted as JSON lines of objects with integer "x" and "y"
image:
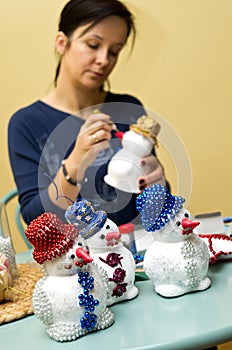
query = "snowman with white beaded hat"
{"x": 104, "y": 241}
{"x": 177, "y": 261}
{"x": 71, "y": 297}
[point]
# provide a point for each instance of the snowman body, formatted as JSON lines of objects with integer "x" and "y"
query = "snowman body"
{"x": 125, "y": 166}
{"x": 177, "y": 263}
{"x": 108, "y": 253}
{"x": 71, "y": 299}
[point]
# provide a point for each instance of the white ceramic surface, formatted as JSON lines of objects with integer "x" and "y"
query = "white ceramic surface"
{"x": 125, "y": 167}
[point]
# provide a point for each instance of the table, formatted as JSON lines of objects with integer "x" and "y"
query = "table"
{"x": 193, "y": 321}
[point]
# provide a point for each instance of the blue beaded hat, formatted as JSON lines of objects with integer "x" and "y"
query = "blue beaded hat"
{"x": 157, "y": 206}
{"x": 86, "y": 219}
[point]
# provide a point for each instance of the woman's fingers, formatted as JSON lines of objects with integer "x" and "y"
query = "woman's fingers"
{"x": 155, "y": 175}
{"x": 99, "y": 136}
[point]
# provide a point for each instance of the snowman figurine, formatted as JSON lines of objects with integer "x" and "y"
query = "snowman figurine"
{"x": 125, "y": 168}
{"x": 103, "y": 238}
{"x": 177, "y": 261}
{"x": 71, "y": 297}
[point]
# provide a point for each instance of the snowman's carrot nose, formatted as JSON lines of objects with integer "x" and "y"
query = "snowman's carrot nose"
{"x": 81, "y": 253}
{"x": 186, "y": 223}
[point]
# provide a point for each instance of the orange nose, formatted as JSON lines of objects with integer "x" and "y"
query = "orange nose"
{"x": 186, "y": 223}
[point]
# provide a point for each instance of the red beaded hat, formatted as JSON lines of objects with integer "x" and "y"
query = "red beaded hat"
{"x": 50, "y": 237}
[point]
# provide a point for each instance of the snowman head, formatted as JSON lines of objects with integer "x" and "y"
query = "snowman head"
{"x": 140, "y": 145}
{"x": 55, "y": 243}
{"x": 163, "y": 213}
{"x": 107, "y": 238}
{"x": 70, "y": 263}
{"x": 178, "y": 228}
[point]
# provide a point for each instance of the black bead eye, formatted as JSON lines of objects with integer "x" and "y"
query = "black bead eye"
{"x": 80, "y": 244}
{"x": 178, "y": 223}
{"x": 186, "y": 215}
{"x": 107, "y": 227}
{"x": 72, "y": 256}
{"x": 102, "y": 237}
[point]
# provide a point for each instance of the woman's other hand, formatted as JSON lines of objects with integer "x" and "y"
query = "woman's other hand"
{"x": 155, "y": 175}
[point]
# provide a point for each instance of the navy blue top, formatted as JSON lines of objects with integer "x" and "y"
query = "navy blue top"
{"x": 40, "y": 136}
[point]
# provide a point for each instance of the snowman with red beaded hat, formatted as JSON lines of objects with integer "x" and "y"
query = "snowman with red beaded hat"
{"x": 71, "y": 297}
{"x": 106, "y": 248}
{"x": 177, "y": 261}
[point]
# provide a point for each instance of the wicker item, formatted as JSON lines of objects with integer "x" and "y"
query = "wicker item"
{"x": 27, "y": 276}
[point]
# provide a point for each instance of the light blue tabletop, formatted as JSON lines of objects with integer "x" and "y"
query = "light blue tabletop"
{"x": 193, "y": 321}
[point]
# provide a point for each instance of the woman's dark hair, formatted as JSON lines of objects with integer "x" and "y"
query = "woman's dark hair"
{"x": 80, "y": 12}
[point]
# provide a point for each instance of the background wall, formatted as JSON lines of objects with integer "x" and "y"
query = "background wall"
{"x": 181, "y": 68}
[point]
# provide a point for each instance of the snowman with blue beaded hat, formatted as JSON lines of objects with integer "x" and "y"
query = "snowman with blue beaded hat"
{"x": 104, "y": 241}
{"x": 177, "y": 261}
{"x": 71, "y": 297}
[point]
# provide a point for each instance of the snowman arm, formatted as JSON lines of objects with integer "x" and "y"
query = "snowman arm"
{"x": 41, "y": 303}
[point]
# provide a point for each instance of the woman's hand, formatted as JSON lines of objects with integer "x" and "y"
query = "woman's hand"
{"x": 93, "y": 138}
{"x": 155, "y": 175}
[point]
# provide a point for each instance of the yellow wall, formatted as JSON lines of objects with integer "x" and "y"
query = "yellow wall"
{"x": 181, "y": 68}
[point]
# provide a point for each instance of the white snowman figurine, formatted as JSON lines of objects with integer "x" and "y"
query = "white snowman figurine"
{"x": 177, "y": 261}
{"x": 71, "y": 297}
{"x": 103, "y": 238}
{"x": 125, "y": 168}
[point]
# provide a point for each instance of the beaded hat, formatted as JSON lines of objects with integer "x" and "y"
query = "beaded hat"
{"x": 50, "y": 237}
{"x": 157, "y": 206}
{"x": 86, "y": 219}
{"x": 146, "y": 126}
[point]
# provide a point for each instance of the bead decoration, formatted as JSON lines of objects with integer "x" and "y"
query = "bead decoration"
{"x": 43, "y": 310}
{"x": 50, "y": 237}
{"x": 6, "y": 248}
{"x": 138, "y": 258}
{"x": 188, "y": 250}
{"x": 114, "y": 259}
{"x": 215, "y": 255}
{"x": 86, "y": 219}
{"x": 157, "y": 206}
{"x": 89, "y": 319}
{"x": 193, "y": 282}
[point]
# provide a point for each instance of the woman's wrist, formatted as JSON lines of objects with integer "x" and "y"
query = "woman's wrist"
{"x": 75, "y": 180}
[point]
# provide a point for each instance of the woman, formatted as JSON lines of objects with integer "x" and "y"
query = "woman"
{"x": 60, "y": 146}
